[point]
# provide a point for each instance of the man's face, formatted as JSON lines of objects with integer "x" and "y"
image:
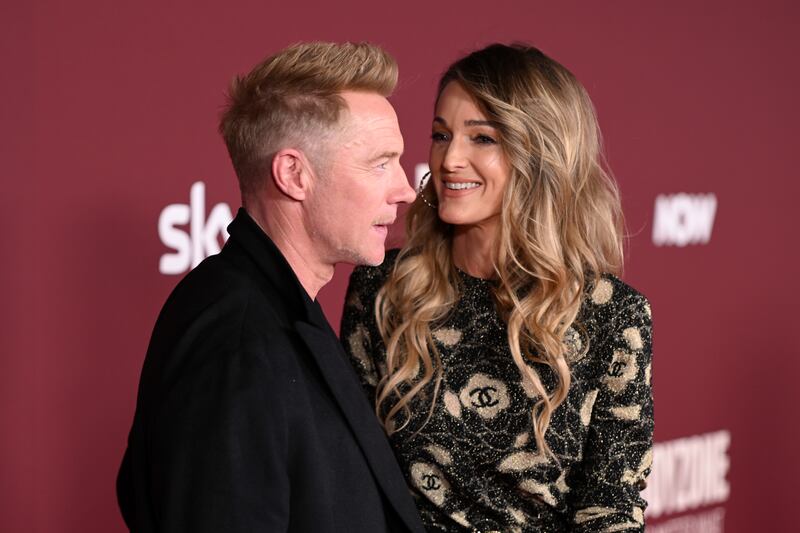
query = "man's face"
{"x": 355, "y": 195}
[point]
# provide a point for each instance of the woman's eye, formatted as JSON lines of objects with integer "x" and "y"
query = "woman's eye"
{"x": 438, "y": 136}
{"x": 484, "y": 139}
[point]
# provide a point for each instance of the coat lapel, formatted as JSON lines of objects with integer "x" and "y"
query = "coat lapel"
{"x": 348, "y": 393}
{"x": 309, "y": 321}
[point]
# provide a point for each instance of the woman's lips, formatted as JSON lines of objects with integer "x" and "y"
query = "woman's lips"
{"x": 457, "y": 188}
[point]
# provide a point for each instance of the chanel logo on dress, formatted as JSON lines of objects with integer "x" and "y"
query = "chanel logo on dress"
{"x": 617, "y": 369}
{"x": 484, "y": 395}
{"x": 430, "y": 481}
{"x": 622, "y": 369}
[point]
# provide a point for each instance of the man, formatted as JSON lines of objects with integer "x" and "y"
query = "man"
{"x": 248, "y": 417}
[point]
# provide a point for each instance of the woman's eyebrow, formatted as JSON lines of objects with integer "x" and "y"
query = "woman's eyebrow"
{"x": 491, "y": 123}
{"x": 471, "y": 122}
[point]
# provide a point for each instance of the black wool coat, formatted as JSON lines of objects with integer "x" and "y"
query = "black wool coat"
{"x": 249, "y": 418}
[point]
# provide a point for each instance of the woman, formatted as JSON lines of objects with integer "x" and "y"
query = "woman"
{"x": 508, "y": 364}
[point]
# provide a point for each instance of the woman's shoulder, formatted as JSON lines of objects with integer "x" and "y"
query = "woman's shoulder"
{"x": 616, "y": 321}
{"x": 610, "y": 293}
{"x": 612, "y": 310}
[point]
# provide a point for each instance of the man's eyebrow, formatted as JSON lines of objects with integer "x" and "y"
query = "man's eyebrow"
{"x": 385, "y": 155}
{"x": 490, "y": 123}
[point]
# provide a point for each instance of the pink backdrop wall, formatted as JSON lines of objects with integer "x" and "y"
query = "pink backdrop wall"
{"x": 109, "y": 115}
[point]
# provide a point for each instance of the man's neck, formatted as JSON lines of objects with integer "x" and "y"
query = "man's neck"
{"x": 295, "y": 246}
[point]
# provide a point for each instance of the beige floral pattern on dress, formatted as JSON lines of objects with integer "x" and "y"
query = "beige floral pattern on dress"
{"x": 460, "y": 518}
{"x": 627, "y": 412}
{"x": 602, "y": 292}
{"x": 452, "y": 404}
{"x": 441, "y": 455}
{"x": 632, "y": 477}
{"x": 574, "y": 345}
{"x": 517, "y": 515}
{"x": 521, "y": 440}
{"x": 519, "y": 461}
{"x": 588, "y": 406}
{"x": 634, "y": 338}
{"x": 538, "y": 489}
{"x": 561, "y": 482}
{"x": 484, "y": 395}
{"x": 620, "y": 527}
{"x": 529, "y": 389}
{"x": 447, "y": 336}
{"x": 592, "y": 513}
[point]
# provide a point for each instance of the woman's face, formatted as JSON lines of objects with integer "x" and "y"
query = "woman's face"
{"x": 469, "y": 168}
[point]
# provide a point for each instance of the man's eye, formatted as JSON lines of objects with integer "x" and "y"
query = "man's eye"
{"x": 384, "y": 165}
{"x": 438, "y": 136}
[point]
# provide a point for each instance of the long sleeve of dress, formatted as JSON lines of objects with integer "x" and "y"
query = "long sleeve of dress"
{"x": 618, "y": 450}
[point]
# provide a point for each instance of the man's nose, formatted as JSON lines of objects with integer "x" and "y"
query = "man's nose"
{"x": 403, "y": 193}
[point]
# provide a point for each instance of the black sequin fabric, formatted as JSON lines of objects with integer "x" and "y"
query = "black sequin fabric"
{"x": 474, "y": 465}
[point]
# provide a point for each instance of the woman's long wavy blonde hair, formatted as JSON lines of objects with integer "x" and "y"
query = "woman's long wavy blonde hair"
{"x": 561, "y": 227}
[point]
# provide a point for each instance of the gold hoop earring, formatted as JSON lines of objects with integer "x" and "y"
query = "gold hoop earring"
{"x": 422, "y": 182}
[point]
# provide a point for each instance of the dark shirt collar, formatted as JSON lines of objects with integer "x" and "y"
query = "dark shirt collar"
{"x": 245, "y": 232}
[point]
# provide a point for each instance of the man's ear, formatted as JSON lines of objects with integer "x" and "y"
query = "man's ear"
{"x": 292, "y": 173}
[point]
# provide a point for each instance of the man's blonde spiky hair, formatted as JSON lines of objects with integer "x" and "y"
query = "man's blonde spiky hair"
{"x": 292, "y": 99}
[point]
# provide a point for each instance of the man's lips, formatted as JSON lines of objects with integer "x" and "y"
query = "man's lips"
{"x": 382, "y": 226}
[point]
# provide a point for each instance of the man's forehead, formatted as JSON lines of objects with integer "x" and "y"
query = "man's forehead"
{"x": 378, "y": 143}
{"x": 367, "y": 107}
{"x": 370, "y": 121}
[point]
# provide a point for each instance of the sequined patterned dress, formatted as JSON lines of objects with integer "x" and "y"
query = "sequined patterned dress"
{"x": 473, "y": 466}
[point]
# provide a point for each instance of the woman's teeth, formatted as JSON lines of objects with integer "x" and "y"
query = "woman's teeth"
{"x": 459, "y": 186}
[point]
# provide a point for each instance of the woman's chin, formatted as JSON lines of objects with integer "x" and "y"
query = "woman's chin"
{"x": 455, "y": 215}
{"x": 462, "y": 217}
